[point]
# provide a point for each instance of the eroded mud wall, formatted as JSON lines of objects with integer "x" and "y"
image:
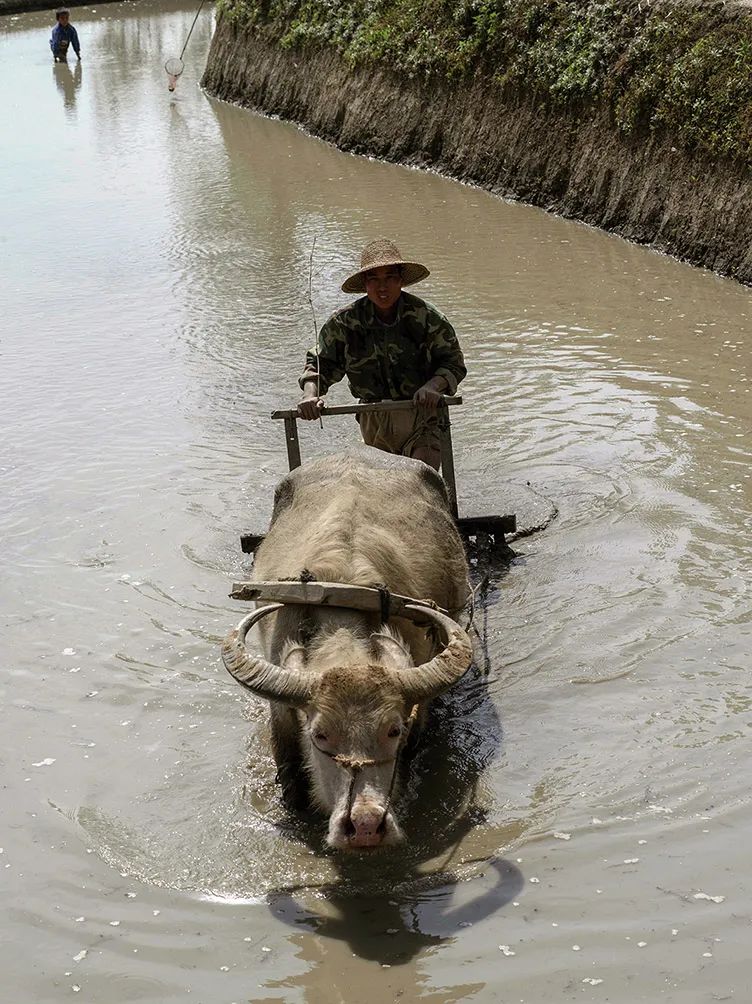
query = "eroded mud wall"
{"x": 643, "y": 186}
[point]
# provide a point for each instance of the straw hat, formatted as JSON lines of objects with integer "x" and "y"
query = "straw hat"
{"x": 381, "y": 254}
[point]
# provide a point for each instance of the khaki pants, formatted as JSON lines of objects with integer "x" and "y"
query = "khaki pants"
{"x": 400, "y": 431}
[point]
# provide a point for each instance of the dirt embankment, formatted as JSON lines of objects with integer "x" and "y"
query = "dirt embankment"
{"x": 568, "y": 158}
{"x": 25, "y": 6}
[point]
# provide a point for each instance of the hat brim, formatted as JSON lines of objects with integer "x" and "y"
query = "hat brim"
{"x": 412, "y": 272}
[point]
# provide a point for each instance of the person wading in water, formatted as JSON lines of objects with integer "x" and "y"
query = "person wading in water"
{"x": 63, "y": 35}
{"x": 392, "y": 346}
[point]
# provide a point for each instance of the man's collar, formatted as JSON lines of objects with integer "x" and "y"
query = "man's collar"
{"x": 373, "y": 318}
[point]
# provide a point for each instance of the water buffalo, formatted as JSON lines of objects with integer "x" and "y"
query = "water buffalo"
{"x": 345, "y": 689}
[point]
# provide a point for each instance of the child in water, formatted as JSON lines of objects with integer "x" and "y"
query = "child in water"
{"x": 63, "y": 35}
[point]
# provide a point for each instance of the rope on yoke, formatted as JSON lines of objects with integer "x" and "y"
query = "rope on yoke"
{"x": 384, "y": 596}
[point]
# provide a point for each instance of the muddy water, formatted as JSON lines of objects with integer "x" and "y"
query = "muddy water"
{"x": 586, "y": 837}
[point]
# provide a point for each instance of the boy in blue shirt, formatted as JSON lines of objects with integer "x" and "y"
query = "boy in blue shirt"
{"x": 63, "y": 35}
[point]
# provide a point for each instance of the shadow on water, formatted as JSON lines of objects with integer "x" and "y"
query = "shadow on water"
{"x": 395, "y": 927}
{"x": 68, "y": 82}
{"x": 389, "y": 906}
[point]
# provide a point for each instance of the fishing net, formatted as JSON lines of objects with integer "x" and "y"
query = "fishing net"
{"x": 173, "y": 69}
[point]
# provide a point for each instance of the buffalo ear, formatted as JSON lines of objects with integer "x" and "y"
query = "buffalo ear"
{"x": 390, "y": 650}
{"x": 294, "y": 657}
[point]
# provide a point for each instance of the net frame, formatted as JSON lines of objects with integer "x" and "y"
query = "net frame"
{"x": 174, "y": 66}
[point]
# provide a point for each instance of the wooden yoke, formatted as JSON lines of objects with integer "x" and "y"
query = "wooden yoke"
{"x": 290, "y": 418}
{"x": 331, "y": 594}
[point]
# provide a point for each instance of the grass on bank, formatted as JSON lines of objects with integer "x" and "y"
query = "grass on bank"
{"x": 683, "y": 68}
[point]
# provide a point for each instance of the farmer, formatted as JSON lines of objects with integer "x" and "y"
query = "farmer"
{"x": 392, "y": 346}
{"x": 63, "y": 35}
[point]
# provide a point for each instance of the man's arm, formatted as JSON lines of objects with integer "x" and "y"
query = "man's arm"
{"x": 447, "y": 361}
{"x": 74, "y": 42}
{"x": 323, "y": 368}
{"x": 446, "y": 355}
{"x": 312, "y": 404}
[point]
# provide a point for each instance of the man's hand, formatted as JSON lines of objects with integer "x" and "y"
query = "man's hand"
{"x": 430, "y": 394}
{"x": 311, "y": 407}
{"x": 427, "y": 397}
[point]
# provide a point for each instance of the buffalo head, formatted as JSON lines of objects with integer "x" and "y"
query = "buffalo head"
{"x": 357, "y": 698}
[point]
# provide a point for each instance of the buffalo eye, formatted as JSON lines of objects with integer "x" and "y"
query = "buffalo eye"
{"x": 394, "y": 731}
{"x": 321, "y": 737}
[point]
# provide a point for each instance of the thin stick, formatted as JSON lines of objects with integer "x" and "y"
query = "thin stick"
{"x": 315, "y": 325}
{"x": 192, "y": 27}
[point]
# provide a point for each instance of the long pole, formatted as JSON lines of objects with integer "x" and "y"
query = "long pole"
{"x": 192, "y": 27}
{"x": 315, "y": 325}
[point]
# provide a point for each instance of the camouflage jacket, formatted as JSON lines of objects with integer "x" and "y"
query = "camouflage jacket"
{"x": 386, "y": 361}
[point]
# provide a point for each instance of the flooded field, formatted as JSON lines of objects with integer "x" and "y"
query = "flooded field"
{"x": 155, "y": 254}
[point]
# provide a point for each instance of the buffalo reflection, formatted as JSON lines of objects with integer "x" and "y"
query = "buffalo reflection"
{"x": 392, "y": 928}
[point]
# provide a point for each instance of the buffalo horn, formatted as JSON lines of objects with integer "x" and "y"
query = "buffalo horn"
{"x": 421, "y": 683}
{"x": 253, "y": 672}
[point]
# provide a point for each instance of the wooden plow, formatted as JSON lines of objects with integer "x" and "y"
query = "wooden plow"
{"x": 484, "y": 531}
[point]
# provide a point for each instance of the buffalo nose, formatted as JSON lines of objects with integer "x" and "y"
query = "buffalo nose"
{"x": 367, "y": 827}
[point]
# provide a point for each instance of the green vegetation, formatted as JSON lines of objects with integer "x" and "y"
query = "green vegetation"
{"x": 676, "y": 67}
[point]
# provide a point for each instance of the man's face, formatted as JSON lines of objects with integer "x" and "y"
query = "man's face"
{"x": 63, "y": 19}
{"x": 383, "y": 287}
